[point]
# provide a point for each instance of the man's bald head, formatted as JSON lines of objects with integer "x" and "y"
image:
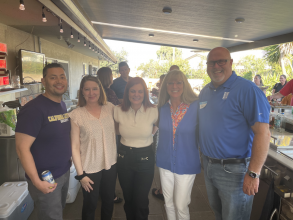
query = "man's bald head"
{"x": 222, "y": 50}
{"x": 174, "y": 67}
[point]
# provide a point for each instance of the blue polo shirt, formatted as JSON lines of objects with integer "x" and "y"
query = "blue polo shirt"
{"x": 226, "y": 115}
{"x": 118, "y": 87}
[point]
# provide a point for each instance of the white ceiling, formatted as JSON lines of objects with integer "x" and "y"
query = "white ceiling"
{"x": 267, "y": 22}
{"x": 263, "y": 19}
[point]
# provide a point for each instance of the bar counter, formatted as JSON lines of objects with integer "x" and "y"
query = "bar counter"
{"x": 280, "y": 151}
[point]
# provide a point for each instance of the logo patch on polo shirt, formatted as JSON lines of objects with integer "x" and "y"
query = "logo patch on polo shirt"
{"x": 202, "y": 104}
{"x": 225, "y": 96}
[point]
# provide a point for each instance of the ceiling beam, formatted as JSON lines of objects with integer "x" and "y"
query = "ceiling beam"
{"x": 154, "y": 43}
{"x": 285, "y": 38}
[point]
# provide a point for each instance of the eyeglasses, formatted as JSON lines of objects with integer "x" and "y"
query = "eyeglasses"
{"x": 219, "y": 62}
{"x": 177, "y": 83}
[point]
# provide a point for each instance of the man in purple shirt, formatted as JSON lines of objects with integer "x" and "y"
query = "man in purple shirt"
{"x": 43, "y": 143}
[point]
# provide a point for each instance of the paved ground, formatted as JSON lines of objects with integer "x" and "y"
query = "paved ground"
{"x": 199, "y": 207}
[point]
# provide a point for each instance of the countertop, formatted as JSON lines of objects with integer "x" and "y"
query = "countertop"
{"x": 283, "y": 140}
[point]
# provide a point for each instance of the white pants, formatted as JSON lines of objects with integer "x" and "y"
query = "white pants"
{"x": 177, "y": 193}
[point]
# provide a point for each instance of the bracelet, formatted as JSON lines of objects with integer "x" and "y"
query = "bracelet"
{"x": 80, "y": 176}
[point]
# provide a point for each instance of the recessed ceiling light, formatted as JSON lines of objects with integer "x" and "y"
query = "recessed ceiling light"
{"x": 195, "y": 40}
{"x": 239, "y": 20}
{"x": 167, "y": 10}
{"x": 236, "y": 35}
{"x": 151, "y": 35}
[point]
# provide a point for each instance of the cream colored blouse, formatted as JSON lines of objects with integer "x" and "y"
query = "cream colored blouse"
{"x": 97, "y": 138}
{"x": 136, "y": 129}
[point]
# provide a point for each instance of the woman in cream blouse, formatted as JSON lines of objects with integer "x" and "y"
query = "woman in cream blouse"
{"x": 136, "y": 117}
{"x": 94, "y": 148}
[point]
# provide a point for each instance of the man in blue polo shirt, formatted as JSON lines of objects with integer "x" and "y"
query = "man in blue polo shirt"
{"x": 234, "y": 137}
{"x": 119, "y": 84}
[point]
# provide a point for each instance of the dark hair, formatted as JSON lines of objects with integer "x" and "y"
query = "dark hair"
{"x": 261, "y": 84}
{"x": 123, "y": 64}
{"x": 126, "y": 102}
{"x": 51, "y": 65}
{"x": 104, "y": 74}
{"x": 174, "y": 67}
{"x": 285, "y": 78}
{"x": 81, "y": 100}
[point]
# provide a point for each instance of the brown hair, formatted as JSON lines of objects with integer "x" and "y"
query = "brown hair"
{"x": 162, "y": 78}
{"x": 104, "y": 74}
{"x": 81, "y": 100}
{"x": 126, "y": 102}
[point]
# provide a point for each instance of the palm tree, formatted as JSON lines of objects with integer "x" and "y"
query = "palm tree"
{"x": 280, "y": 53}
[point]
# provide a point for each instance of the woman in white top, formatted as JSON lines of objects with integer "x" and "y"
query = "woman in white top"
{"x": 94, "y": 148}
{"x": 136, "y": 117}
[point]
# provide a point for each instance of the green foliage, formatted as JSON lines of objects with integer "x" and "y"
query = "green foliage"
{"x": 280, "y": 54}
{"x": 248, "y": 75}
{"x": 253, "y": 65}
{"x": 121, "y": 56}
{"x": 156, "y": 68}
{"x": 166, "y": 53}
{"x": 206, "y": 79}
{"x": 272, "y": 53}
{"x": 270, "y": 81}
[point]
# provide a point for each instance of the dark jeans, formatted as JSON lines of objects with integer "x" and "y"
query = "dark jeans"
{"x": 50, "y": 206}
{"x": 106, "y": 181}
{"x": 136, "y": 173}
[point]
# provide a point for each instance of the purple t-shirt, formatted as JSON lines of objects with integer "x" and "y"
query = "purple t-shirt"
{"x": 49, "y": 123}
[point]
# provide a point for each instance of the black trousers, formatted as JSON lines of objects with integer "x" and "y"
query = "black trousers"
{"x": 135, "y": 172}
{"x": 106, "y": 181}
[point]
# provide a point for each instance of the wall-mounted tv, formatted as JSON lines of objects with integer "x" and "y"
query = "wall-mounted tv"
{"x": 31, "y": 66}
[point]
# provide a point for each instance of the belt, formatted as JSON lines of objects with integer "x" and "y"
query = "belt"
{"x": 229, "y": 161}
{"x": 135, "y": 149}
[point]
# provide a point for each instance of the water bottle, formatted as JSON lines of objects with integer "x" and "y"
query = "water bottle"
{"x": 277, "y": 121}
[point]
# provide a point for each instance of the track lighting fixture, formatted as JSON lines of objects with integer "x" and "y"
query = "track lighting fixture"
{"x": 44, "y": 19}
{"x": 90, "y": 45}
{"x": 71, "y": 36}
{"x": 78, "y": 40}
{"x": 21, "y": 5}
{"x": 84, "y": 44}
{"x": 61, "y": 28}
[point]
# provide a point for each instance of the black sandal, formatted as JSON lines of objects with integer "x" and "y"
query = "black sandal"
{"x": 159, "y": 195}
{"x": 118, "y": 200}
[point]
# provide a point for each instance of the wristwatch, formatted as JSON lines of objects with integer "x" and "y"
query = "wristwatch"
{"x": 80, "y": 177}
{"x": 252, "y": 174}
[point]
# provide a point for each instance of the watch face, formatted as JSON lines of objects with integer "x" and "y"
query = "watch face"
{"x": 251, "y": 174}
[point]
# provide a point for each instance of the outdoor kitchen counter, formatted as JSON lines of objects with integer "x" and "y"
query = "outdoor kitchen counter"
{"x": 283, "y": 143}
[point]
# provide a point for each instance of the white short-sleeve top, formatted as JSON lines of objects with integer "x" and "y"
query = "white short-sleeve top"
{"x": 136, "y": 129}
{"x": 97, "y": 138}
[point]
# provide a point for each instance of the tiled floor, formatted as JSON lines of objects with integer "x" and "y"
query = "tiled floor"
{"x": 199, "y": 207}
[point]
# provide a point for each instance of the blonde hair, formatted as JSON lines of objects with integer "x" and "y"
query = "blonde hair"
{"x": 188, "y": 96}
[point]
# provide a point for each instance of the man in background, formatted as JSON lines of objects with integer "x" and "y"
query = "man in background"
{"x": 43, "y": 143}
{"x": 119, "y": 83}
